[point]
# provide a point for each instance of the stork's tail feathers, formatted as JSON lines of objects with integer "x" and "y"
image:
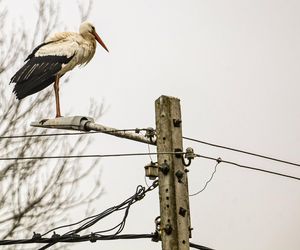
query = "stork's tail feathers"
{"x": 32, "y": 86}
{"x": 37, "y": 74}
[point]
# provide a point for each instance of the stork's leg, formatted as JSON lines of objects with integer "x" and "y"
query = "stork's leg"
{"x": 56, "y": 90}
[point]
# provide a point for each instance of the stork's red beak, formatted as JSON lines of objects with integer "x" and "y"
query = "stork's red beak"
{"x": 100, "y": 40}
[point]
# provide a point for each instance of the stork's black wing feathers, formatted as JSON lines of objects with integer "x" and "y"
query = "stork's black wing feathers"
{"x": 38, "y": 73}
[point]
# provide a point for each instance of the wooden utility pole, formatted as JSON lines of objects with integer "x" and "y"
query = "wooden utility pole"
{"x": 173, "y": 183}
{"x": 175, "y": 226}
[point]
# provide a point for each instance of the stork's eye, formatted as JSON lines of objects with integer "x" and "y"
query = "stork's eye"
{"x": 93, "y": 28}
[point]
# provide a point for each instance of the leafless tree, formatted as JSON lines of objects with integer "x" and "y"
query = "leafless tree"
{"x": 36, "y": 193}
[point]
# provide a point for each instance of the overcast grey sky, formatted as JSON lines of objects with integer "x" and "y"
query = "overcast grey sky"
{"x": 235, "y": 66}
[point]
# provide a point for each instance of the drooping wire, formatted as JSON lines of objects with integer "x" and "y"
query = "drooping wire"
{"x": 149, "y": 151}
{"x": 243, "y": 151}
{"x": 209, "y": 180}
{"x": 90, "y": 221}
{"x": 145, "y": 179}
{"x": 248, "y": 167}
{"x": 140, "y": 192}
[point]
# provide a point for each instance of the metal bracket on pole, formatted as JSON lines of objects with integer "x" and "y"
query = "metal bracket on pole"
{"x": 84, "y": 123}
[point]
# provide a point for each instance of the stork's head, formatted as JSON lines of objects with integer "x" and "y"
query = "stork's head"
{"x": 88, "y": 28}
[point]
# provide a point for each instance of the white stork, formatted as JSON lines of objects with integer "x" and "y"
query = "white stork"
{"x": 50, "y": 60}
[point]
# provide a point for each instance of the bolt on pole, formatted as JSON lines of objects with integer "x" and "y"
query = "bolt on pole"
{"x": 173, "y": 182}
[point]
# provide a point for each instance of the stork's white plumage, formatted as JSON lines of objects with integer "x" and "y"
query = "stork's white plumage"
{"x": 50, "y": 60}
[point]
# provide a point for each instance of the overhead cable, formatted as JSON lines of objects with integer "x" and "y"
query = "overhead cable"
{"x": 90, "y": 221}
{"x": 247, "y": 167}
{"x": 89, "y": 237}
{"x": 73, "y": 239}
{"x": 138, "y": 154}
{"x": 196, "y": 246}
{"x": 243, "y": 151}
{"x": 137, "y": 130}
{"x": 85, "y": 156}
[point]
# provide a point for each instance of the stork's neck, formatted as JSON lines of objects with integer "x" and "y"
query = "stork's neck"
{"x": 89, "y": 39}
{"x": 87, "y": 36}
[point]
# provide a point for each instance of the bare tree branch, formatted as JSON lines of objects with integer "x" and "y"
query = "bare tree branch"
{"x": 83, "y": 10}
{"x": 37, "y": 191}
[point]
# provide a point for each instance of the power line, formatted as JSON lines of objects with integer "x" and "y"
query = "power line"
{"x": 137, "y": 130}
{"x": 84, "y": 156}
{"x": 242, "y": 151}
{"x": 137, "y": 154}
{"x": 90, "y": 237}
{"x": 247, "y": 167}
{"x": 73, "y": 239}
{"x": 196, "y": 246}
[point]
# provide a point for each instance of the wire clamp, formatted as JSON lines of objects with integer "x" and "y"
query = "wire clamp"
{"x": 153, "y": 186}
{"x": 157, "y": 235}
{"x": 179, "y": 174}
{"x": 55, "y": 235}
{"x": 190, "y": 155}
{"x": 164, "y": 168}
{"x": 182, "y": 211}
{"x": 93, "y": 237}
{"x": 36, "y": 236}
{"x": 177, "y": 123}
{"x": 150, "y": 133}
{"x": 168, "y": 229}
{"x": 140, "y": 193}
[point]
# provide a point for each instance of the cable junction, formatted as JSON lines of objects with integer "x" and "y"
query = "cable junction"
{"x": 72, "y": 235}
{"x": 92, "y": 237}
